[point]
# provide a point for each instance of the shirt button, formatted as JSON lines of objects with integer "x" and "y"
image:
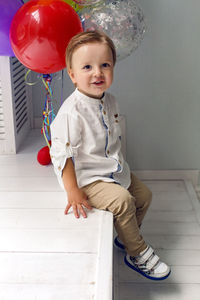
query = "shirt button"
{"x": 67, "y": 144}
{"x": 116, "y": 115}
{"x": 108, "y": 152}
{"x": 101, "y": 101}
{"x": 120, "y": 162}
{"x": 109, "y": 132}
{"x": 116, "y": 121}
{"x": 59, "y": 168}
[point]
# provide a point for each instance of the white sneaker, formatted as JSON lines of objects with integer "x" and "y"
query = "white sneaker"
{"x": 148, "y": 264}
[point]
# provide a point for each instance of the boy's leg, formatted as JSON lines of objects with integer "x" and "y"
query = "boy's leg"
{"x": 147, "y": 263}
{"x": 119, "y": 201}
{"x": 142, "y": 195}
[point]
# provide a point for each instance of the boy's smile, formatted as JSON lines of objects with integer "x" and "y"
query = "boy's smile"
{"x": 92, "y": 69}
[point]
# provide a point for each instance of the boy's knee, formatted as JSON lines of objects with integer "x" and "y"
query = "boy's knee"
{"x": 124, "y": 202}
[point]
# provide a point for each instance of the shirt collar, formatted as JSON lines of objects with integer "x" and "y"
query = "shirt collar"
{"x": 89, "y": 99}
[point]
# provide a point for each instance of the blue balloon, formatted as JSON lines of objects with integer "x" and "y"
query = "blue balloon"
{"x": 8, "y": 8}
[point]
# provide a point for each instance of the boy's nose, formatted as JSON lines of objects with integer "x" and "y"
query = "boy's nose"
{"x": 97, "y": 71}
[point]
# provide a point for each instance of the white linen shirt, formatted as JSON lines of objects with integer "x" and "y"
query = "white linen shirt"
{"x": 87, "y": 130}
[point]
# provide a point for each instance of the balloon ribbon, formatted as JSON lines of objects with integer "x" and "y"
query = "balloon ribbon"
{"x": 48, "y": 114}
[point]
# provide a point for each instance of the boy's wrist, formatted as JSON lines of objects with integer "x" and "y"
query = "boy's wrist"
{"x": 72, "y": 188}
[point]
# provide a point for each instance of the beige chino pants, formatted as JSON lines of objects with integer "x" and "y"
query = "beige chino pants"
{"x": 128, "y": 207}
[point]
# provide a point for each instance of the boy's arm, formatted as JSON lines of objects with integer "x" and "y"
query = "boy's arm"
{"x": 76, "y": 197}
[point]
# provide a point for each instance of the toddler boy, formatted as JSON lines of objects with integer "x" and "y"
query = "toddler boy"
{"x": 86, "y": 152}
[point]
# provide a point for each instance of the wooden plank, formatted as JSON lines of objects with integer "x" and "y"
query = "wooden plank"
{"x": 159, "y": 291}
{"x": 47, "y": 268}
{"x": 116, "y": 271}
{"x": 173, "y": 257}
{"x": 22, "y": 184}
{"x": 167, "y": 228}
{"x": 193, "y": 199}
{"x": 103, "y": 288}
{"x": 160, "y": 241}
{"x": 78, "y": 291}
{"x": 36, "y": 199}
{"x": 171, "y": 200}
{"x": 22, "y": 169}
{"x": 49, "y": 240}
{"x": 48, "y": 219}
{"x": 165, "y": 185}
{"x": 179, "y": 275}
{"x": 170, "y": 216}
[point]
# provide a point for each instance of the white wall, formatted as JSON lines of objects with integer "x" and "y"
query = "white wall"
{"x": 158, "y": 88}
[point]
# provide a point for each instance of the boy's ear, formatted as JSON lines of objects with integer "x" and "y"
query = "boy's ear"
{"x": 71, "y": 75}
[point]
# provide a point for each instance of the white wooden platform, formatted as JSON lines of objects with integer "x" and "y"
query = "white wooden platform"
{"x": 44, "y": 254}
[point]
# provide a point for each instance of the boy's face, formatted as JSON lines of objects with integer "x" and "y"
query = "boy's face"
{"x": 92, "y": 69}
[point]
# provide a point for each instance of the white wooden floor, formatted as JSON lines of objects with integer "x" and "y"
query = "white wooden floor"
{"x": 37, "y": 251}
{"x": 172, "y": 227}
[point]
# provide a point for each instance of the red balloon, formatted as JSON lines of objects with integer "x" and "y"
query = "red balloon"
{"x": 43, "y": 156}
{"x": 40, "y": 32}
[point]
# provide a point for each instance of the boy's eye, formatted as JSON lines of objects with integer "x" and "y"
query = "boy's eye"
{"x": 87, "y": 67}
{"x": 106, "y": 65}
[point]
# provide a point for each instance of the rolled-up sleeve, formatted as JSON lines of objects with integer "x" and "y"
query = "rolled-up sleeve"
{"x": 65, "y": 140}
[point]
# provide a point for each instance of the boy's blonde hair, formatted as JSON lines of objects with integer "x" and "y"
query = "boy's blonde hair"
{"x": 86, "y": 38}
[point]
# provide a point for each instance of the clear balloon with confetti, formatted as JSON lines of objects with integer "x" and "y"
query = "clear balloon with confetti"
{"x": 122, "y": 20}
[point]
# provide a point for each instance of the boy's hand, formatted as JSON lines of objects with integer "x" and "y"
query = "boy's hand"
{"x": 77, "y": 199}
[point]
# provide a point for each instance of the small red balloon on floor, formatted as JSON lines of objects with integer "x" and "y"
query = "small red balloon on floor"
{"x": 43, "y": 156}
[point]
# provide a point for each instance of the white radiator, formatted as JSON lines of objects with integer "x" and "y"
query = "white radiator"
{"x": 15, "y": 105}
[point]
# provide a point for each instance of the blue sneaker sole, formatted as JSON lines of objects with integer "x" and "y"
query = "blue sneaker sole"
{"x": 144, "y": 274}
{"x": 118, "y": 245}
